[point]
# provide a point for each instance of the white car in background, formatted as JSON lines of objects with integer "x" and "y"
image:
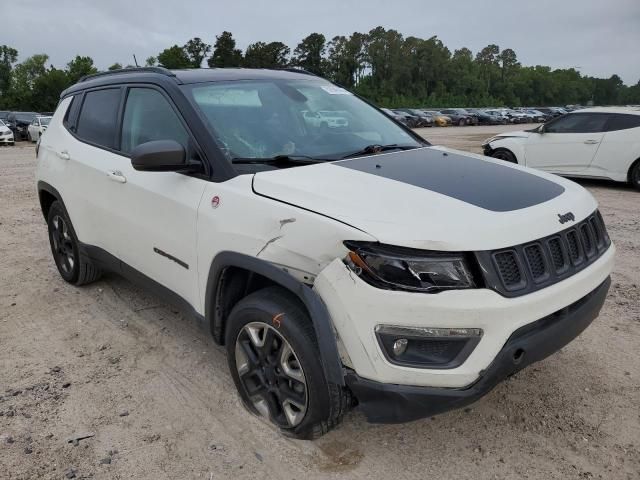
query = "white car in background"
{"x": 590, "y": 143}
{"x": 37, "y": 128}
{"x": 6, "y": 135}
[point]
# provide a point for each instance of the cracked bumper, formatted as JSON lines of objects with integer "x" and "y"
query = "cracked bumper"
{"x": 384, "y": 403}
{"x": 357, "y": 307}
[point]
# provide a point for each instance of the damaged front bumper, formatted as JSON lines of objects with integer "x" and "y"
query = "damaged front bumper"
{"x": 390, "y": 403}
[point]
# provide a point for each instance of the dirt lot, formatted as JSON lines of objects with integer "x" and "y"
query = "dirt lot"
{"x": 153, "y": 390}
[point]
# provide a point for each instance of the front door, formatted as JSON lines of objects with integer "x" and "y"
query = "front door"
{"x": 568, "y": 144}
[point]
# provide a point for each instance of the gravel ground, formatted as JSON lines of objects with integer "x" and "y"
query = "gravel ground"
{"x": 151, "y": 391}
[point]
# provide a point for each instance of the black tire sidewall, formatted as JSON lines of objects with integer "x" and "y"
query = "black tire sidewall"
{"x": 505, "y": 156}
{"x": 634, "y": 176}
{"x": 56, "y": 209}
{"x": 258, "y": 307}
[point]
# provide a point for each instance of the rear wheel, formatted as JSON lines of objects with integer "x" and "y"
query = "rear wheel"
{"x": 634, "y": 175}
{"x": 73, "y": 267}
{"x": 506, "y": 155}
{"x": 273, "y": 357}
{"x": 462, "y": 122}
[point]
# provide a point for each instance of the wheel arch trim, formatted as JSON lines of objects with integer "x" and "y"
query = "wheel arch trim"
{"x": 45, "y": 187}
{"x": 318, "y": 312}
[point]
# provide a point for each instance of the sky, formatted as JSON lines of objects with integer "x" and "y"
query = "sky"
{"x": 597, "y": 37}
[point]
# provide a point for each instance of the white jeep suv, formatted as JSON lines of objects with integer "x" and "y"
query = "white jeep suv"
{"x": 353, "y": 266}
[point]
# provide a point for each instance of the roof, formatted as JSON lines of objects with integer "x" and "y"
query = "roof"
{"x": 627, "y": 110}
{"x": 187, "y": 76}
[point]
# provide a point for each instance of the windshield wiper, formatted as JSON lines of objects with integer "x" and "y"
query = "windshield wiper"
{"x": 373, "y": 149}
{"x": 278, "y": 160}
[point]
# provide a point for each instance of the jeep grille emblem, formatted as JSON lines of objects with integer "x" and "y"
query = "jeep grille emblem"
{"x": 567, "y": 217}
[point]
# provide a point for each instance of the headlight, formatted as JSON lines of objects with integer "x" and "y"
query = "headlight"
{"x": 409, "y": 269}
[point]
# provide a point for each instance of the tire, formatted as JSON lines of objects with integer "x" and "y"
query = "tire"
{"x": 634, "y": 175}
{"x": 273, "y": 358}
{"x": 505, "y": 155}
{"x": 73, "y": 267}
{"x": 462, "y": 122}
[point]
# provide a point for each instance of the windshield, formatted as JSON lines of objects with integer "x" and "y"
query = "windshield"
{"x": 307, "y": 118}
{"x": 45, "y": 120}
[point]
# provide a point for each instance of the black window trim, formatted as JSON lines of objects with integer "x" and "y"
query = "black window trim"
{"x": 79, "y": 110}
{"x": 580, "y": 114}
{"x": 612, "y": 116}
{"x": 72, "y": 123}
{"x": 193, "y": 143}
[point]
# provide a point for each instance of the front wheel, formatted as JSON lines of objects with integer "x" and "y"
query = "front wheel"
{"x": 273, "y": 357}
{"x": 462, "y": 122}
{"x": 505, "y": 155}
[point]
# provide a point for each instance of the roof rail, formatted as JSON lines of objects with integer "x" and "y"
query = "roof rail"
{"x": 161, "y": 70}
{"x": 295, "y": 70}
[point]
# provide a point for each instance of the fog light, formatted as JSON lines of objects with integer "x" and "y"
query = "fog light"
{"x": 427, "y": 347}
{"x": 400, "y": 346}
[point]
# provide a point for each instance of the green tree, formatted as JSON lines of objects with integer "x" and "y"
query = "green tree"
{"x": 115, "y": 66}
{"x": 23, "y": 79}
{"x": 8, "y": 56}
{"x": 225, "y": 53}
{"x": 47, "y": 89}
{"x": 150, "y": 62}
{"x": 174, "y": 57}
{"x": 196, "y": 50}
{"x": 79, "y": 67}
{"x": 266, "y": 55}
{"x": 309, "y": 54}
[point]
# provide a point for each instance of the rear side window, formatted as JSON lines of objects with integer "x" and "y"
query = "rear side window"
{"x": 71, "y": 114}
{"x": 623, "y": 121}
{"x": 148, "y": 116}
{"x": 98, "y": 117}
{"x": 578, "y": 123}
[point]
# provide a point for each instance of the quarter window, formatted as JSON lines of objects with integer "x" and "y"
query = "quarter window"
{"x": 578, "y": 123}
{"x": 623, "y": 121}
{"x": 98, "y": 117}
{"x": 148, "y": 116}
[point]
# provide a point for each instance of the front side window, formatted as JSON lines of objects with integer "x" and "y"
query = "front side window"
{"x": 148, "y": 116}
{"x": 45, "y": 120}
{"x": 578, "y": 123}
{"x": 98, "y": 117}
{"x": 312, "y": 118}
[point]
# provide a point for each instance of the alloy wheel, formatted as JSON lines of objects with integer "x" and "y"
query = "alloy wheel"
{"x": 271, "y": 374}
{"x": 62, "y": 244}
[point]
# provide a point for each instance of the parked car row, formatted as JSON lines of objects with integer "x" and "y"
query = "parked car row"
{"x": 22, "y": 126}
{"x": 419, "y": 117}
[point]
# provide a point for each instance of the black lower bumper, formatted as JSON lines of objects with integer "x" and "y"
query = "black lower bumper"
{"x": 389, "y": 403}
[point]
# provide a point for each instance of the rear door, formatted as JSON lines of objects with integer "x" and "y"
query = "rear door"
{"x": 567, "y": 144}
{"x": 620, "y": 147}
{"x": 155, "y": 213}
{"x": 86, "y": 151}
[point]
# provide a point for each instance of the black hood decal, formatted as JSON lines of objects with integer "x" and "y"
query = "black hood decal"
{"x": 484, "y": 184}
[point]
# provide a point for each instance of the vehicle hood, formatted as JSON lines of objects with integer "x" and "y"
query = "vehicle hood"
{"x": 516, "y": 134}
{"x": 4, "y": 129}
{"x": 432, "y": 198}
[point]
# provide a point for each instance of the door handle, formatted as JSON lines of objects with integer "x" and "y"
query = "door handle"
{"x": 116, "y": 176}
{"x": 64, "y": 155}
{"x": 591, "y": 142}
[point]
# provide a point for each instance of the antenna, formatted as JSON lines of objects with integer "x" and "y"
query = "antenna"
{"x": 135, "y": 60}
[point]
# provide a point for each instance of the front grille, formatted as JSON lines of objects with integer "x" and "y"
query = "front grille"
{"x": 525, "y": 268}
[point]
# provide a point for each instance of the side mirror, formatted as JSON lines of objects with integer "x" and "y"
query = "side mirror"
{"x": 160, "y": 156}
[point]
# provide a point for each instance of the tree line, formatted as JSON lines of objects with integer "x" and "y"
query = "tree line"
{"x": 381, "y": 65}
